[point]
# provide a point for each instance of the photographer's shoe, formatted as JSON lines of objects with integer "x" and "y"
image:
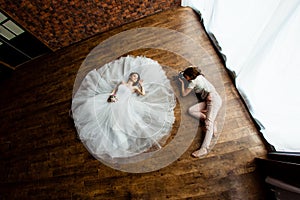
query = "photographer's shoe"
{"x": 200, "y": 153}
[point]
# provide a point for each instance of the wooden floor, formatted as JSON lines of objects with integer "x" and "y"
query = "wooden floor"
{"x": 42, "y": 158}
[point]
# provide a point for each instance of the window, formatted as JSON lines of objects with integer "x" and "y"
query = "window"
{"x": 17, "y": 46}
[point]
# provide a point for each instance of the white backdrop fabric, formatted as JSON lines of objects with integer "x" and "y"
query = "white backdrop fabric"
{"x": 261, "y": 42}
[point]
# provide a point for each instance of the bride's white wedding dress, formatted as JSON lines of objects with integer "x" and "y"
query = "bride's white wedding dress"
{"x": 134, "y": 123}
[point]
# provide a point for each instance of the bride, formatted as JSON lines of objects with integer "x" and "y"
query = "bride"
{"x": 119, "y": 115}
{"x": 133, "y": 81}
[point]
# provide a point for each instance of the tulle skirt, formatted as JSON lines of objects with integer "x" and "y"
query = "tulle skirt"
{"x": 135, "y": 123}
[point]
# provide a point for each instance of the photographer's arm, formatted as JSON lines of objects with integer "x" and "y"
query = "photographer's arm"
{"x": 184, "y": 91}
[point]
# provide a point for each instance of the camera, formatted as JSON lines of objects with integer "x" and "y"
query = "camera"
{"x": 179, "y": 76}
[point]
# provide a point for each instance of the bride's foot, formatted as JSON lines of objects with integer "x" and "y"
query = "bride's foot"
{"x": 199, "y": 153}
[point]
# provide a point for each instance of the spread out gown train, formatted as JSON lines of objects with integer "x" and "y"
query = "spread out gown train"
{"x": 134, "y": 123}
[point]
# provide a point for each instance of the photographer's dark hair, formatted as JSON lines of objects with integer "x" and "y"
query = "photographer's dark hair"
{"x": 192, "y": 72}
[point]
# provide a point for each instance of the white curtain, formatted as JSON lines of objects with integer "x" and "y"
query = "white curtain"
{"x": 261, "y": 42}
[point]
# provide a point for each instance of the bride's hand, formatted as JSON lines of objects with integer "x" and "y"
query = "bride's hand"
{"x": 141, "y": 82}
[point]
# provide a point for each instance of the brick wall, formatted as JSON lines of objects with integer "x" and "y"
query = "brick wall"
{"x": 60, "y": 23}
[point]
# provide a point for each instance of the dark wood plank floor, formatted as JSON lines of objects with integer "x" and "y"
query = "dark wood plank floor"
{"x": 42, "y": 158}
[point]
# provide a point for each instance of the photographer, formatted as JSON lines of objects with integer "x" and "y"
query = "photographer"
{"x": 208, "y": 107}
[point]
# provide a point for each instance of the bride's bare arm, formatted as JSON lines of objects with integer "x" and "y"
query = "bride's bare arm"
{"x": 115, "y": 90}
{"x": 140, "y": 90}
{"x": 112, "y": 97}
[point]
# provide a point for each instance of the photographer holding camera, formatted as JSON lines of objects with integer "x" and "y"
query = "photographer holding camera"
{"x": 208, "y": 107}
